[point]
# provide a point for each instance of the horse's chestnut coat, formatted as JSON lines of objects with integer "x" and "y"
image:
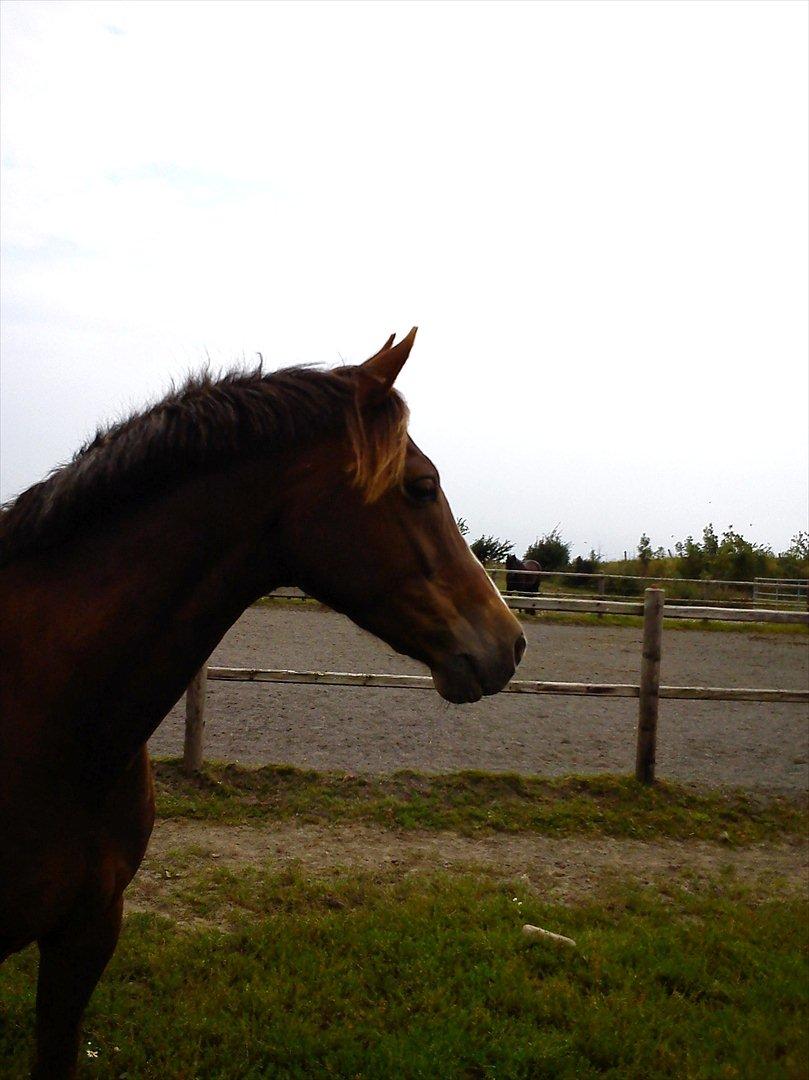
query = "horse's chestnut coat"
{"x": 120, "y": 573}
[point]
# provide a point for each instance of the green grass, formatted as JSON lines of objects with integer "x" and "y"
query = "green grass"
{"x": 307, "y": 603}
{"x": 636, "y": 622}
{"x": 429, "y": 976}
{"x": 475, "y": 801}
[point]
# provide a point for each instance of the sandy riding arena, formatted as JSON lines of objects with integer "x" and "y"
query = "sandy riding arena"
{"x": 378, "y": 730}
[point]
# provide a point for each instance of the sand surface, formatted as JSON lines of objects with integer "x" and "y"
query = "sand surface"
{"x": 379, "y": 730}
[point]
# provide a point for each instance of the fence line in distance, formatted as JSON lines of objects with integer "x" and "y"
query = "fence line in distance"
{"x": 648, "y": 690}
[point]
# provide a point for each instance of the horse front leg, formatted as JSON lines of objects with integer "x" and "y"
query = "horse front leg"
{"x": 70, "y": 964}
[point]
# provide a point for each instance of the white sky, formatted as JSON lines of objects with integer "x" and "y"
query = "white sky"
{"x": 597, "y": 214}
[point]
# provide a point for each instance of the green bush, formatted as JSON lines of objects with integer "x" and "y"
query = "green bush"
{"x": 489, "y": 549}
{"x": 590, "y": 565}
{"x": 551, "y": 551}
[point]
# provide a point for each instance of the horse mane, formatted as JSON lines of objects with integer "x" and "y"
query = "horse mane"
{"x": 205, "y": 424}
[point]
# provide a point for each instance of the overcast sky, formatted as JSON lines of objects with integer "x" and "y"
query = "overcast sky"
{"x": 595, "y": 212}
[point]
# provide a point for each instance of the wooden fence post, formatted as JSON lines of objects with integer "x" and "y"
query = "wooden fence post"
{"x": 602, "y": 594}
{"x": 649, "y": 685}
{"x": 195, "y": 722}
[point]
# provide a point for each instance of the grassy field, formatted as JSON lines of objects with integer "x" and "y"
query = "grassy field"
{"x": 261, "y": 969}
{"x": 430, "y": 976}
{"x": 714, "y": 625}
{"x": 475, "y": 801}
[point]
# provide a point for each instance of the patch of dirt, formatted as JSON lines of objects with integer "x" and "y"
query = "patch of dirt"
{"x": 373, "y": 730}
{"x": 566, "y": 869}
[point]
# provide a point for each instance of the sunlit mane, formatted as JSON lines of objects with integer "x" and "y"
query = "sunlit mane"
{"x": 206, "y": 424}
{"x": 379, "y": 442}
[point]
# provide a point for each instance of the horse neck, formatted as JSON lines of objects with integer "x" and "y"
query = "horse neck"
{"x": 109, "y": 630}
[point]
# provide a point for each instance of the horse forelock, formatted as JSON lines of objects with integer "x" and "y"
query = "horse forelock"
{"x": 207, "y": 423}
{"x": 379, "y": 443}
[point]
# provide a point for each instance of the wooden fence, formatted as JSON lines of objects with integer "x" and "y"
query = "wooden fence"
{"x": 790, "y": 594}
{"x": 648, "y": 690}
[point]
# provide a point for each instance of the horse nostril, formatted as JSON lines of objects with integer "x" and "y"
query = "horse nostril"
{"x": 519, "y": 649}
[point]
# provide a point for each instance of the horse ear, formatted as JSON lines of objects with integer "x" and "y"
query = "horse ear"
{"x": 378, "y": 374}
{"x": 384, "y": 348}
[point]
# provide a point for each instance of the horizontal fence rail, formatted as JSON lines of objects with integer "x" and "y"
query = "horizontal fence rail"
{"x": 648, "y": 691}
{"x": 600, "y": 575}
{"x": 524, "y": 602}
{"x": 782, "y": 592}
{"x": 670, "y": 611}
{"x": 516, "y": 686}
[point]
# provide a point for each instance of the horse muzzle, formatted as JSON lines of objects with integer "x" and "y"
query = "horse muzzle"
{"x": 464, "y": 677}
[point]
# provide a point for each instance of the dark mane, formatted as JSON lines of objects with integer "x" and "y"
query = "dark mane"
{"x": 206, "y": 424}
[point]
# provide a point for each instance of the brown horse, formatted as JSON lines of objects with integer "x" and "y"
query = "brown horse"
{"x": 122, "y": 571}
{"x": 517, "y": 580}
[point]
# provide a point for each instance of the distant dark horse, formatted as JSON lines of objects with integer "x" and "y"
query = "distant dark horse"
{"x": 121, "y": 572}
{"x": 517, "y": 582}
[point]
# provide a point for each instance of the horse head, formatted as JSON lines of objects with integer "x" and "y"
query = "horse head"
{"x": 366, "y": 528}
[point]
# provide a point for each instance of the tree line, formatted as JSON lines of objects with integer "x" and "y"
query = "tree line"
{"x": 726, "y": 557}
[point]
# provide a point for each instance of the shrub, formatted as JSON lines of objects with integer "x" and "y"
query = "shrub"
{"x": 794, "y": 562}
{"x": 551, "y": 552}
{"x": 589, "y": 565}
{"x": 490, "y": 549}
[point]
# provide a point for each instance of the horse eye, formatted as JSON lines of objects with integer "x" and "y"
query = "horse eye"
{"x": 423, "y": 491}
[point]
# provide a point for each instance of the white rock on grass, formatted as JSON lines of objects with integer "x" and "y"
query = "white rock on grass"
{"x": 530, "y": 931}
